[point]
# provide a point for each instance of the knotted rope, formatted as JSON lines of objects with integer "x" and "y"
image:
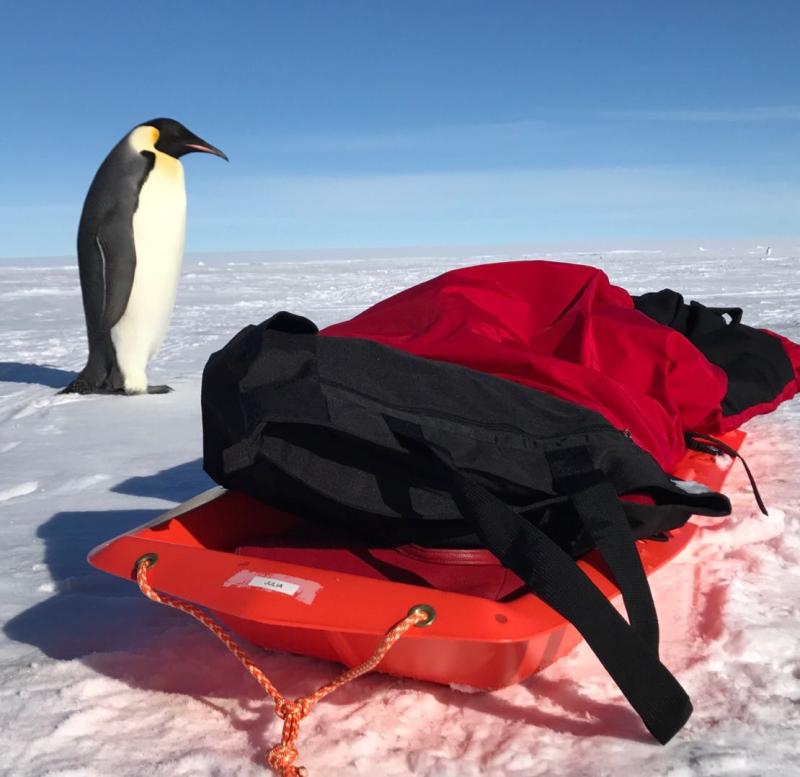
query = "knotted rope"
{"x": 281, "y": 758}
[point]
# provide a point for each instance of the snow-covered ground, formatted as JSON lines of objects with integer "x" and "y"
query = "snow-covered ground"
{"x": 97, "y": 681}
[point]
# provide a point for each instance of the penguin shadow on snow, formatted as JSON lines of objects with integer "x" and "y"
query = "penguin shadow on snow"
{"x": 111, "y": 627}
{"x": 42, "y": 374}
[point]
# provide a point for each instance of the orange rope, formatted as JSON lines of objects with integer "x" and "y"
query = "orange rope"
{"x": 281, "y": 758}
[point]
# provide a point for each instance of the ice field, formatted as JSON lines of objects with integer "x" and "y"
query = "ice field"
{"x": 96, "y": 681}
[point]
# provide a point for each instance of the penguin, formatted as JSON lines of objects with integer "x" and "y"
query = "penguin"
{"x": 130, "y": 248}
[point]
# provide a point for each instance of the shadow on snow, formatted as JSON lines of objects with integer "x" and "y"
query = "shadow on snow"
{"x": 16, "y": 372}
{"x": 177, "y": 483}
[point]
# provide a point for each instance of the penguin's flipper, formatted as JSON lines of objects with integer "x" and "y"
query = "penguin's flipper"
{"x": 117, "y": 257}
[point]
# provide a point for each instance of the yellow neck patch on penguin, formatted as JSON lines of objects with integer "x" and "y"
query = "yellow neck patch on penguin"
{"x": 144, "y": 138}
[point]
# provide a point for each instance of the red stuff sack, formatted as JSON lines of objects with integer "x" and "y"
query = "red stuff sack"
{"x": 566, "y": 330}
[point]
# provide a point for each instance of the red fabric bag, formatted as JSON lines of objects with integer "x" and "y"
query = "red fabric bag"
{"x": 563, "y": 329}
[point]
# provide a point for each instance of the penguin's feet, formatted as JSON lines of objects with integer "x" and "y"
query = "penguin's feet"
{"x": 159, "y": 389}
{"x": 79, "y": 386}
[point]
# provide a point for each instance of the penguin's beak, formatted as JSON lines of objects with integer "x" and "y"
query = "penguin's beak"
{"x": 198, "y": 144}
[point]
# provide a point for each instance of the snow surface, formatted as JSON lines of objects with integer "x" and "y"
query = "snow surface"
{"x": 97, "y": 681}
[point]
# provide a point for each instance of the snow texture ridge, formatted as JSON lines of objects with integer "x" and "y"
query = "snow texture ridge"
{"x": 95, "y": 680}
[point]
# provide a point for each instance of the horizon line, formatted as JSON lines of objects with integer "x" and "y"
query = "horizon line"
{"x": 422, "y": 249}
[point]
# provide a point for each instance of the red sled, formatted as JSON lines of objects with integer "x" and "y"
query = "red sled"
{"x": 237, "y": 557}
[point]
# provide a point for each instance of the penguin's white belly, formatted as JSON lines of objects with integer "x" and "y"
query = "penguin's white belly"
{"x": 159, "y": 226}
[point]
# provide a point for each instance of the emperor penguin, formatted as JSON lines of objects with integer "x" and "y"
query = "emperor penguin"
{"x": 130, "y": 248}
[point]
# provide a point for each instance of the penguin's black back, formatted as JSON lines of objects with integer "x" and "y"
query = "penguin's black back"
{"x": 106, "y": 251}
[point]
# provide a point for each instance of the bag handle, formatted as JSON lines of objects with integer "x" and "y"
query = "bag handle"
{"x": 734, "y": 313}
{"x": 626, "y": 654}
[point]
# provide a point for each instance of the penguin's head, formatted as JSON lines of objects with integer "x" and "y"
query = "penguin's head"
{"x": 172, "y": 138}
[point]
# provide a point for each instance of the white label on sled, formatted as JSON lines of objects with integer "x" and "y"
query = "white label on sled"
{"x": 300, "y": 589}
{"x": 273, "y": 584}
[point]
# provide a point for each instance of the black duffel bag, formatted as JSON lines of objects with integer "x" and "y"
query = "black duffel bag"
{"x": 755, "y": 361}
{"x": 402, "y": 449}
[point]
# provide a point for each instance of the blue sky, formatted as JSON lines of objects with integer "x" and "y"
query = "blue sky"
{"x": 353, "y": 123}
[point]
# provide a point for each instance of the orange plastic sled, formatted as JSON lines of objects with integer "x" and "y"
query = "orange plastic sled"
{"x": 337, "y": 616}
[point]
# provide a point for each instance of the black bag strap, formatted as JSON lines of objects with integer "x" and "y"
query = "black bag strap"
{"x": 708, "y": 444}
{"x": 734, "y": 313}
{"x": 552, "y": 574}
{"x": 599, "y": 508}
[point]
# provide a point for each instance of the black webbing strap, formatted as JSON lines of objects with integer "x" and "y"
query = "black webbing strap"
{"x": 598, "y": 506}
{"x": 553, "y": 575}
{"x": 708, "y": 444}
{"x": 734, "y": 313}
{"x": 550, "y": 573}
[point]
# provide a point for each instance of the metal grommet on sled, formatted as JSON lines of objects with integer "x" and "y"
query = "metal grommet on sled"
{"x": 151, "y": 559}
{"x": 426, "y": 610}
